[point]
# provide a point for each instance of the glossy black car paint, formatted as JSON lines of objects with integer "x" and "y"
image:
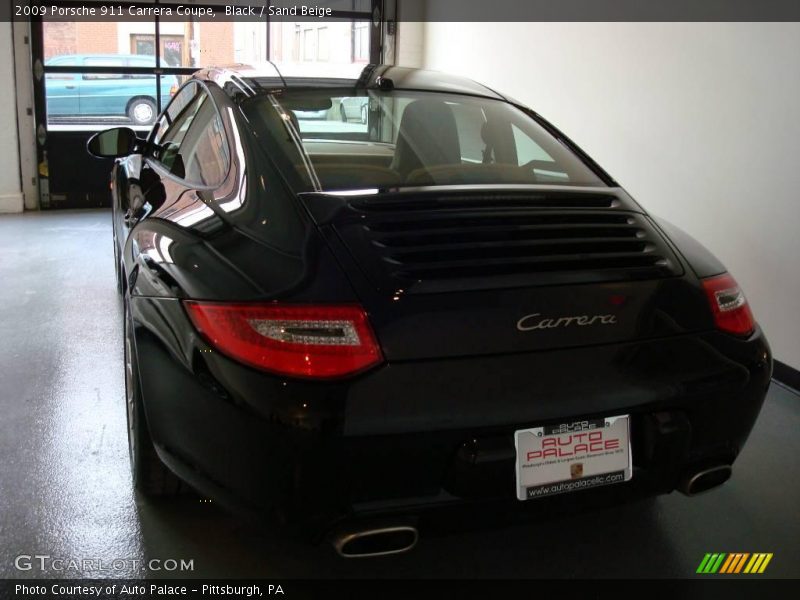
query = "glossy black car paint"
{"x": 432, "y": 426}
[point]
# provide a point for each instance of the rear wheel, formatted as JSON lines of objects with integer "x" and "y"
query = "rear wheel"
{"x": 142, "y": 111}
{"x": 150, "y": 475}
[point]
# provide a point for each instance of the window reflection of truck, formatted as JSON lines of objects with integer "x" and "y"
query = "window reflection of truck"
{"x": 109, "y": 94}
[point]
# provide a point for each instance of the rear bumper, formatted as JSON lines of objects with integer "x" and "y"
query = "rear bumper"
{"x": 411, "y": 437}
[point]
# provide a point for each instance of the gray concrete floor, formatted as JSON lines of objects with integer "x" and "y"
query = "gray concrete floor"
{"x": 65, "y": 492}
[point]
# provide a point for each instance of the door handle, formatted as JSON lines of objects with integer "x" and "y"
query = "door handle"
{"x": 69, "y": 87}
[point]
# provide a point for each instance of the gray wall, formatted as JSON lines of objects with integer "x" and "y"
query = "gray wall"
{"x": 700, "y": 122}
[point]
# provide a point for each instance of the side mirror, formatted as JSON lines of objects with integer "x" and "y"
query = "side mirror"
{"x": 112, "y": 143}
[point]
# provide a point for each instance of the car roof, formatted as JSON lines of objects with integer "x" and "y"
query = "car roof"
{"x": 250, "y": 80}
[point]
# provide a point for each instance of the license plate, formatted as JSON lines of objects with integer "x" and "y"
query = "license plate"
{"x": 569, "y": 457}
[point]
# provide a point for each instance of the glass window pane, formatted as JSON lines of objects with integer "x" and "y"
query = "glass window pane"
{"x": 68, "y": 43}
{"x": 71, "y": 43}
{"x": 408, "y": 138}
{"x": 96, "y": 101}
{"x": 361, "y": 31}
{"x": 176, "y": 132}
{"x": 527, "y": 149}
{"x": 175, "y": 82}
{"x": 174, "y": 109}
{"x": 347, "y": 115}
{"x": 143, "y": 44}
{"x": 469, "y": 119}
{"x": 205, "y": 150}
{"x": 104, "y": 61}
{"x": 206, "y": 42}
{"x": 337, "y": 43}
{"x": 173, "y": 49}
{"x": 175, "y": 128}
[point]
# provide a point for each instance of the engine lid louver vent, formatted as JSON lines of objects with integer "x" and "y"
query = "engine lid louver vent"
{"x": 560, "y": 200}
{"x": 466, "y": 243}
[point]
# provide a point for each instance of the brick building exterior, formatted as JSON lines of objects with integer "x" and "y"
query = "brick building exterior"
{"x": 197, "y": 44}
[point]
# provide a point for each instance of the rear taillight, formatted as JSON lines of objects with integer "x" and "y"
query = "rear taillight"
{"x": 729, "y": 306}
{"x": 317, "y": 342}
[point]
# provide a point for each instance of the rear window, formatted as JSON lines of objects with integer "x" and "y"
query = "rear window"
{"x": 348, "y": 140}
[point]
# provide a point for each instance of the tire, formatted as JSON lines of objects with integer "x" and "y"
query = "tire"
{"x": 343, "y": 113}
{"x": 150, "y": 476}
{"x": 142, "y": 111}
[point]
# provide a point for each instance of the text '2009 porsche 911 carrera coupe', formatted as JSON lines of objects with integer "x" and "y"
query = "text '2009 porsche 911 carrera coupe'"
{"x": 443, "y": 305}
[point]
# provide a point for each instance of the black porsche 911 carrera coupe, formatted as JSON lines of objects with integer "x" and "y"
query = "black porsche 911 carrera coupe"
{"x": 445, "y": 305}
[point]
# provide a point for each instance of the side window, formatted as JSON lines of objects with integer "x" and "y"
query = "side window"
{"x": 173, "y": 126}
{"x": 60, "y": 77}
{"x": 193, "y": 144}
{"x": 58, "y": 62}
{"x": 205, "y": 150}
{"x": 176, "y": 132}
{"x": 176, "y": 111}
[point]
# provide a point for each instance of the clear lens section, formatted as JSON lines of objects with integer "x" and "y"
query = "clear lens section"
{"x": 729, "y": 299}
{"x": 728, "y": 305}
{"x": 326, "y": 333}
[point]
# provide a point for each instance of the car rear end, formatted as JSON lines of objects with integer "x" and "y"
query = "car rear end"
{"x": 550, "y": 310}
{"x": 520, "y": 310}
{"x": 469, "y": 345}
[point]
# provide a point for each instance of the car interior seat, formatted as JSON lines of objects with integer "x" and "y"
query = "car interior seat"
{"x": 427, "y": 137}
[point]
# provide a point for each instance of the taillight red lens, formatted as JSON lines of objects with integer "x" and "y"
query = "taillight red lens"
{"x": 729, "y": 306}
{"x": 301, "y": 341}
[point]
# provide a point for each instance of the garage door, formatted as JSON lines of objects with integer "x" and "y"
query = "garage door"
{"x": 91, "y": 75}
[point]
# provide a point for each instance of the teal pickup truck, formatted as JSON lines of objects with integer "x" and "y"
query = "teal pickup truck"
{"x": 76, "y": 95}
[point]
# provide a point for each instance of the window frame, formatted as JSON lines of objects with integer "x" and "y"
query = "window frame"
{"x": 113, "y": 73}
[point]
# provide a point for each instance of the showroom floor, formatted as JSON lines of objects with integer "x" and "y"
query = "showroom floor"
{"x": 64, "y": 468}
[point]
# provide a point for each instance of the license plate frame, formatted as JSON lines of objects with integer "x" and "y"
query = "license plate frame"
{"x": 572, "y": 456}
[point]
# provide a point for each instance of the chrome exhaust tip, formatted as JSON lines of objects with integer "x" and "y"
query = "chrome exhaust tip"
{"x": 375, "y": 541}
{"x": 705, "y": 480}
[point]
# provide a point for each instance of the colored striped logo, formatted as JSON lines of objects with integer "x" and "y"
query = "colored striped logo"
{"x": 734, "y": 563}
